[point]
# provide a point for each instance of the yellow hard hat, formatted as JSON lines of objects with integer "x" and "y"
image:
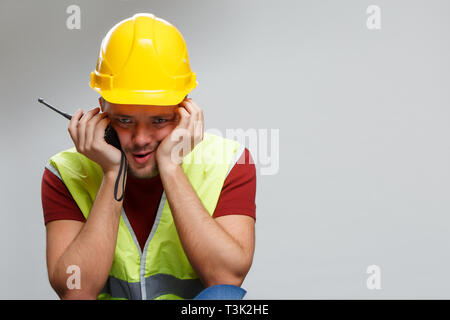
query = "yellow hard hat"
{"x": 143, "y": 60}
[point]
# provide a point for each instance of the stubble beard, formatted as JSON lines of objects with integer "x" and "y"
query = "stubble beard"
{"x": 145, "y": 173}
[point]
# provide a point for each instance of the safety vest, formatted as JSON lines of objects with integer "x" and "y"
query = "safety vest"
{"x": 161, "y": 270}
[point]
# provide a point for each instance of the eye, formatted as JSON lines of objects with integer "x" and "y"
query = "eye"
{"x": 124, "y": 120}
{"x": 160, "y": 120}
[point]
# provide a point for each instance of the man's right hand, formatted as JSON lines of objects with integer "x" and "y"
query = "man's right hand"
{"x": 87, "y": 132}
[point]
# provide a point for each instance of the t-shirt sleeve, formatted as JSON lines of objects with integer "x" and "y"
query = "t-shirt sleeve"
{"x": 239, "y": 189}
{"x": 57, "y": 202}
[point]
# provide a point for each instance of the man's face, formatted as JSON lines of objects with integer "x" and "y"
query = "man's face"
{"x": 140, "y": 130}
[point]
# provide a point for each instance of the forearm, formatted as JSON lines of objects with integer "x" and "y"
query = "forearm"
{"x": 93, "y": 248}
{"x": 213, "y": 253}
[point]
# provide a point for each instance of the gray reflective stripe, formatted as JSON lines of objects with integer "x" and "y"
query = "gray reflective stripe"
{"x": 160, "y": 284}
{"x": 50, "y": 167}
{"x": 156, "y": 285}
{"x": 144, "y": 254}
{"x": 121, "y": 289}
{"x": 127, "y": 223}
{"x": 236, "y": 157}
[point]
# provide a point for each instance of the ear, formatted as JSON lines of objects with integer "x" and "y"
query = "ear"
{"x": 100, "y": 101}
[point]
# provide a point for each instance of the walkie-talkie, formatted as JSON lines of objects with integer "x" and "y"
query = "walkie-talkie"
{"x": 110, "y": 134}
{"x": 111, "y": 138}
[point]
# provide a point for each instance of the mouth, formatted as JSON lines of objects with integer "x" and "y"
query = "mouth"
{"x": 142, "y": 157}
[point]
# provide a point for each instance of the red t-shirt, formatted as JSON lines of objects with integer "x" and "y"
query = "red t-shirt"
{"x": 142, "y": 197}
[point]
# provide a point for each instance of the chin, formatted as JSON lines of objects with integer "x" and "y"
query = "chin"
{"x": 144, "y": 173}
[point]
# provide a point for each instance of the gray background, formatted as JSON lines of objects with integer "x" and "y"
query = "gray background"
{"x": 363, "y": 118}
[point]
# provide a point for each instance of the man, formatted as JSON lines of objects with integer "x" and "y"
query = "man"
{"x": 185, "y": 221}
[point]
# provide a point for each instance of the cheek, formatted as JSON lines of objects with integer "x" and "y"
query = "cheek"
{"x": 124, "y": 135}
{"x": 164, "y": 132}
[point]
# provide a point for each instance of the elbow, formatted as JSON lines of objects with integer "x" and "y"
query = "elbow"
{"x": 223, "y": 279}
{"x": 77, "y": 294}
{"x": 230, "y": 271}
{"x": 69, "y": 288}
{"x": 226, "y": 276}
{"x": 74, "y": 294}
{"x": 65, "y": 293}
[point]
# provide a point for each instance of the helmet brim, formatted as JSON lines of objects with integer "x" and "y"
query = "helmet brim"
{"x": 145, "y": 97}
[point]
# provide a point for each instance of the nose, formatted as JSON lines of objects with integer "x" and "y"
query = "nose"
{"x": 143, "y": 136}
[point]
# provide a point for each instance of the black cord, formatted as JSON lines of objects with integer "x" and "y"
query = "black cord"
{"x": 123, "y": 161}
{"x": 111, "y": 138}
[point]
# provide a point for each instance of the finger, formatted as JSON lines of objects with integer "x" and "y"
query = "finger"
{"x": 100, "y": 128}
{"x": 196, "y": 122}
{"x": 200, "y": 110}
{"x": 185, "y": 123}
{"x": 73, "y": 125}
{"x": 200, "y": 118}
{"x": 81, "y": 128}
{"x": 184, "y": 117}
{"x": 190, "y": 108}
{"x": 193, "y": 104}
{"x": 90, "y": 128}
{"x": 88, "y": 115}
{"x": 195, "y": 125}
{"x": 193, "y": 115}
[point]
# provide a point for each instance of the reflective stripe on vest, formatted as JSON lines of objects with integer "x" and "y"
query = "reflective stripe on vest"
{"x": 162, "y": 270}
{"x": 155, "y": 286}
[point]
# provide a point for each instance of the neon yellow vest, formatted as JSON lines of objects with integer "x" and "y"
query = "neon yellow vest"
{"x": 162, "y": 270}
